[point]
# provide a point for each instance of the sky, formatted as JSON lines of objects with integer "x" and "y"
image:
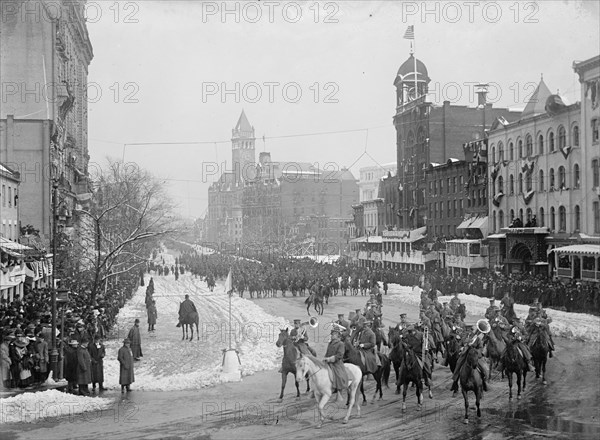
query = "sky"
{"x": 314, "y": 78}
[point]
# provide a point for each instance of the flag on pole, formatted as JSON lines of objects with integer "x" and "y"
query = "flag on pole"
{"x": 229, "y": 284}
{"x": 410, "y": 33}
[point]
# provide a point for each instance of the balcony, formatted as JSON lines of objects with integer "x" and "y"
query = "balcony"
{"x": 415, "y": 257}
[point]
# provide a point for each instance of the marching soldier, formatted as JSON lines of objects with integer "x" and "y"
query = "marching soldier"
{"x": 490, "y": 313}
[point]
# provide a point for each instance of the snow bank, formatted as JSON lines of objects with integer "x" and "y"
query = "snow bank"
{"x": 579, "y": 326}
{"x": 35, "y": 407}
{"x": 169, "y": 363}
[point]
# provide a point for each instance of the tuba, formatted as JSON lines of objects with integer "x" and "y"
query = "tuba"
{"x": 313, "y": 322}
{"x": 483, "y": 326}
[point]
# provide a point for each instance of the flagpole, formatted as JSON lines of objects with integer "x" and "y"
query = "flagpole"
{"x": 230, "y": 322}
{"x": 414, "y": 44}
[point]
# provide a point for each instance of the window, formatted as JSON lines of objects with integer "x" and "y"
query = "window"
{"x": 521, "y": 214}
{"x": 552, "y": 182}
{"x": 449, "y": 184}
{"x": 4, "y": 196}
{"x": 561, "y": 178}
{"x": 512, "y": 215}
{"x": 529, "y": 145}
{"x": 435, "y": 210}
{"x": 511, "y": 183}
{"x": 541, "y": 219}
{"x": 454, "y": 184}
{"x": 460, "y": 179}
{"x": 511, "y": 152}
{"x": 431, "y": 187}
{"x": 552, "y": 219}
{"x": 529, "y": 182}
{"x": 595, "y": 173}
{"x": 576, "y": 177}
{"x": 500, "y": 184}
{"x": 461, "y": 207}
{"x": 448, "y": 208}
{"x": 454, "y": 208}
{"x": 441, "y": 186}
{"x": 551, "y": 142}
{"x": 520, "y": 143}
{"x": 562, "y": 218}
{"x": 529, "y": 214}
{"x": 10, "y": 197}
{"x": 430, "y": 211}
{"x": 562, "y": 137}
{"x": 595, "y": 129}
{"x": 493, "y": 154}
{"x": 540, "y": 144}
{"x": 577, "y": 218}
{"x": 520, "y": 183}
{"x": 541, "y": 180}
{"x": 596, "y": 217}
{"x": 500, "y": 152}
{"x": 575, "y": 135}
{"x": 494, "y": 221}
{"x": 500, "y": 219}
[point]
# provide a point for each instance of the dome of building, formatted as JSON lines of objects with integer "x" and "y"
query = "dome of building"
{"x": 407, "y": 69}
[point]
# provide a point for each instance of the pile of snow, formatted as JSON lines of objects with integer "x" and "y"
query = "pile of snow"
{"x": 168, "y": 363}
{"x": 33, "y": 407}
{"x": 568, "y": 325}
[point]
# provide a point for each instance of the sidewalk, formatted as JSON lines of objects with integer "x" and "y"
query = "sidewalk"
{"x": 12, "y": 392}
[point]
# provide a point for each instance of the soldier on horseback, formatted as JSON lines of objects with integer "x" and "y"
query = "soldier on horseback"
{"x": 516, "y": 338}
{"x": 546, "y": 320}
{"x": 186, "y": 307}
{"x": 341, "y": 321}
{"x": 300, "y": 338}
{"x": 366, "y": 342}
{"x": 508, "y": 307}
{"x": 334, "y": 356}
{"x": 482, "y": 366}
{"x": 490, "y": 312}
{"x": 447, "y": 312}
{"x": 414, "y": 339}
{"x": 455, "y": 303}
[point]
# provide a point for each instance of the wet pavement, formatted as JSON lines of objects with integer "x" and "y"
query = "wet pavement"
{"x": 567, "y": 407}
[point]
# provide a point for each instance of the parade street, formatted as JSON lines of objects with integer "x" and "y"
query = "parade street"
{"x": 567, "y": 407}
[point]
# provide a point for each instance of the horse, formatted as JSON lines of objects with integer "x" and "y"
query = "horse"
{"x": 509, "y": 313}
{"x": 288, "y": 364}
{"x": 471, "y": 380}
{"x": 495, "y": 344}
{"x": 382, "y": 373}
{"x": 395, "y": 354}
{"x": 310, "y": 366}
{"x": 452, "y": 349}
{"x": 380, "y": 337}
{"x": 410, "y": 371}
{"x": 513, "y": 362}
{"x": 188, "y": 321}
{"x": 539, "y": 352}
{"x": 315, "y": 300}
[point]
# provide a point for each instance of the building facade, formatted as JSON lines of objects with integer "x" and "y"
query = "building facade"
{"x": 9, "y": 209}
{"x": 370, "y": 180}
{"x": 43, "y": 116}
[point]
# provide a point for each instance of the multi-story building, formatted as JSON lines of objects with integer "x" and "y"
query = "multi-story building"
{"x": 370, "y": 178}
{"x": 538, "y": 177}
{"x": 9, "y": 209}
{"x": 45, "y": 52}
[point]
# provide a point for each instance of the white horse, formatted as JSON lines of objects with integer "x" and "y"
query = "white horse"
{"x": 322, "y": 385}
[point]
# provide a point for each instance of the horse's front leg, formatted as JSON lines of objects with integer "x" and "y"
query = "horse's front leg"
{"x": 509, "y": 374}
{"x": 283, "y": 382}
{"x": 362, "y": 391}
{"x": 404, "y": 390}
{"x": 322, "y": 402}
{"x": 519, "y": 385}
{"x": 307, "y": 385}
{"x": 478, "y": 394}
{"x": 465, "y": 394}
{"x": 182, "y": 332}
{"x": 197, "y": 332}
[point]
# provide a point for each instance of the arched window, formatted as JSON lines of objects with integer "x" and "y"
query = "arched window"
{"x": 552, "y": 219}
{"x": 562, "y": 137}
{"x": 575, "y": 135}
{"x": 541, "y": 180}
{"x": 576, "y": 177}
{"x": 552, "y": 182}
{"x": 511, "y": 151}
{"x": 577, "y": 218}
{"x": 529, "y": 214}
{"x": 493, "y": 154}
{"x": 550, "y": 142}
{"x": 500, "y": 151}
{"x": 529, "y": 145}
{"x": 521, "y": 214}
{"x": 520, "y": 148}
{"x": 561, "y": 177}
{"x": 528, "y": 181}
{"x": 521, "y": 184}
{"x": 540, "y": 144}
{"x": 500, "y": 184}
{"x": 511, "y": 183}
{"x": 541, "y": 221}
{"x": 500, "y": 219}
{"x": 562, "y": 218}
{"x": 512, "y": 215}
{"x": 494, "y": 221}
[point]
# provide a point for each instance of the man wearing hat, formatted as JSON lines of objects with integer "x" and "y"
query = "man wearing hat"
{"x": 341, "y": 321}
{"x": 366, "y": 342}
{"x": 136, "y": 340}
{"x": 125, "y": 358}
{"x": 482, "y": 366}
{"x": 70, "y": 365}
{"x": 414, "y": 338}
{"x": 455, "y": 303}
{"x": 403, "y": 322}
{"x": 334, "y": 356}
{"x": 97, "y": 353}
{"x": 84, "y": 368}
{"x": 300, "y": 338}
{"x": 546, "y": 320}
{"x": 508, "y": 306}
{"x": 447, "y": 312}
{"x": 490, "y": 312}
{"x": 515, "y": 336}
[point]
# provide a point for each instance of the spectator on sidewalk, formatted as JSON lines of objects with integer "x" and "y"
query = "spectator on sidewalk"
{"x": 135, "y": 340}
{"x": 125, "y": 358}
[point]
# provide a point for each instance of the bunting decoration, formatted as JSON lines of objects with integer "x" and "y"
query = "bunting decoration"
{"x": 528, "y": 196}
{"x": 566, "y": 150}
{"x": 494, "y": 173}
{"x": 497, "y": 198}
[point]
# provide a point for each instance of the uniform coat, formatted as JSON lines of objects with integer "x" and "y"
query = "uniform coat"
{"x": 335, "y": 352}
{"x": 70, "y": 364}
{"x": 152, "y": 314}
{"x": 125, "y": 358}
{"x": 97, "y": 355}
{"x": 84, "y": 366}
{"x": 136, "y": 341}
{"x": 367, "y": 338}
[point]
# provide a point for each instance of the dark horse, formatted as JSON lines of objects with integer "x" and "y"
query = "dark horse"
{"x": 471, "y": 380}
{"x": 316, "y": 300}
{"x": 288, "y": 365}
{"x": 410, "y": 371}
{"x": 380, "y": 336}
{"x": 352, "y": 355}
{"x": 186, "y": 321}
{"x": 395, "y": 353}
{"x": 453, "y": 345}
{"x": 539, "y": 352}
{"x": 513, "y": 362}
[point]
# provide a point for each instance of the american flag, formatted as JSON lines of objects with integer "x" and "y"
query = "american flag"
{"x": 410, "y": 33}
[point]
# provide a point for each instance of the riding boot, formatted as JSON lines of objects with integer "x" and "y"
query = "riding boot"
{"x": 483, "y": 379}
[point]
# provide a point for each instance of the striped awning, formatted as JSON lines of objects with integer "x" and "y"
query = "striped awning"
{"x": 579, "y": 249}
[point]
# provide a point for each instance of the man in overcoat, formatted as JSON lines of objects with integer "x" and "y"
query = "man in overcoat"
{"x": 136, "y": 340}
{"x": 366, "y": 344}
{"x": 125, "y": 358}
{"x": 97, "y": 353}
{"x": 152, "y": 315}
{"x": 70, "y": 364}
{"x": 84, "y": 368}
{"x": 334, "y": 356}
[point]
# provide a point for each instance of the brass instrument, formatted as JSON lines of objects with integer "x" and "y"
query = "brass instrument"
{"x": 313, "y": 322}
{"x": 483, "y": 325}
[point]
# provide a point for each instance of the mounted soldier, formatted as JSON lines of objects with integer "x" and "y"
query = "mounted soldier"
{"x": 341, "y": 321}
{"x": 366, "y": 343}
{"x": 508, "y": 307}
{"x": 300, "y": 338}
{"x": 334, "y": 356}
{"x": 185, "y": 308}
{"x": 490, "y": 312}
{"x": 515, "y": 337}
{"x": 414, "y": 339}
{"x": 482, "y": 365}
{"x": 546, "y": 320}
{"x": 446, "y": 312}
{"x": 455, "y": 303}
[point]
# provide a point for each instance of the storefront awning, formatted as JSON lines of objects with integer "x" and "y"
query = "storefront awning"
{"x": 579, "y": 249}
{"x": 12, "y": 247}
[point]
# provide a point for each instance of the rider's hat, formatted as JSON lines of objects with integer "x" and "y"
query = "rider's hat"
{"x": 492, "y": 300}
{"x": 297, "y": 321}
{"x": 336, "y": 328}
{"x": 402, "y": 315}
{"x": 340, "y": 315}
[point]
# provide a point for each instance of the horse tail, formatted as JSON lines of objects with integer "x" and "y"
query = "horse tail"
{"x": 386, "y": 370}
{"x": 308, "y": 299}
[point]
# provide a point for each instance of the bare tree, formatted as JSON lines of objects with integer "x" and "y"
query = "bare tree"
{"x": 130, "y": 212}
